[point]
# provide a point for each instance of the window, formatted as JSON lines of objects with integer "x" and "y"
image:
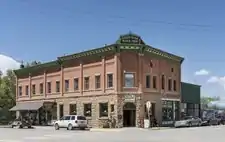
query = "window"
{"x": 67, "y": 118}
{"x": 109, "y": 80}
{"x": 97, "y": 81}
{"x": 49, "y": 86}
{"x": 174, "y": 85}
{"x": 73, "y": 109}
{"x": 169, "y": 84}
{"x": 67, "y": 84}
{"x": 147, "y": 81}
{"x": 57, "y": 86}
{"x": 86, "y": 83}
{"x": 154, "y": 82}
{"x": 112, "y": 107}
{"x": 129, "y": 80}
{"x": 27, "y": 90}
{"x": 81, "y": 118}
{"x": 103, "y": 109}
{"x": 163, "y": 82}
{"x": 171, "y": 69}
{"x": 76, "y": 83}
{"x": 72, "y": 117}
{"x": 41, "y": 87}
{"x": 61, "y": 110}
{"x": 87, "y": 110}
{"x": 33, "y": 89}
{"x": 20, "y": 90}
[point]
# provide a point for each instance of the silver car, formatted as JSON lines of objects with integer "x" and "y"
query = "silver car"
{"x": 188, "y": 121}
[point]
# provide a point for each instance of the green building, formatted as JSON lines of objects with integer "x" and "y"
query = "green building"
{"x": 190, "y": 99}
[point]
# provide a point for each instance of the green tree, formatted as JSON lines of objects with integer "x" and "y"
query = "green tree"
{"x": 33, "y": 63}
{"x": 7, "y": 96}
{"x": 206, "y": 100}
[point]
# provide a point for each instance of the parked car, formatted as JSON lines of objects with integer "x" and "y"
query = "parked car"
{"x": 208, "y": 121}
{"x": 71, "y": 121}
{"x": 188, "y": 121}
{"x": 21, "y": 123}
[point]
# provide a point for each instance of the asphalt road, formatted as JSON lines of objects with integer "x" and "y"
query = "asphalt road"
{"x": 201, "y": 134}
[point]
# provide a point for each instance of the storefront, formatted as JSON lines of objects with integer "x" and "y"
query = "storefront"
{"x": 190, "y": 99}
{"x": 39, "y": 113}
{"x": 170, "y": 112}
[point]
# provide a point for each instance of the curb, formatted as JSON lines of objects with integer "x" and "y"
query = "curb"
{"x": 104, "y": 130}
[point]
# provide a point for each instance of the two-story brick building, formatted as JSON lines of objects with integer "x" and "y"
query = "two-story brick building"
{"x": 113, "y": 81}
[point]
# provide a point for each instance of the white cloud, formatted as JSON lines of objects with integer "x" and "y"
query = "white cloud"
{"x": 7, "y": 63}
{"x": 218, "y": 80}
{"x": 202, "y": 72}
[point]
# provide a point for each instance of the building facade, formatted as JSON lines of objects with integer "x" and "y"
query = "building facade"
{"x": 112, "y": 82}
{"x": 191, "y": 99}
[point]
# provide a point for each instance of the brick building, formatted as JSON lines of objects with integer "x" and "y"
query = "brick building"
{"x": 113, "y": 81}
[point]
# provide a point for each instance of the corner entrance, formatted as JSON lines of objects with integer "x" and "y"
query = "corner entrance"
{"x": 129, "y": 115}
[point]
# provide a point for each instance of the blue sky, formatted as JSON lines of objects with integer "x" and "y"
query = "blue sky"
{"x": 193, "y": 29}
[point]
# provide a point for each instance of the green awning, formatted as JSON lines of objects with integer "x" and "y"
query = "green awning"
{"x": 27, "y": 106}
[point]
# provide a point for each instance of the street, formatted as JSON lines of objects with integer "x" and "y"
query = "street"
{"x": 198, "y": 134}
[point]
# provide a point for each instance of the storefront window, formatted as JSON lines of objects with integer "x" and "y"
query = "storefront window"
{"x": 167, "y": 110}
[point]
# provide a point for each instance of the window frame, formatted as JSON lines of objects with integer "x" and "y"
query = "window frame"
{"x": 66, "y": 85}
{"x": 102, "y": 112}
{"x": 163, "y": 82}
{"x": 97, "y": 81}
{"x": 154, "y": 82}
{"x": 41, "y": 88}
{"x": 76, "y": 84}
{"x": 170, "y": 86}
{"x": 133, "y": 80}
{"x": 174, "y": 85}
{"x": 148, "y": 79}
{"x": 20, "y": 88}
{"x": 57, "y": 87}
{"x": 86, "y": 83}
{"x": 86, "y": 106}
{"x": 110, "y": 82}
{"x": 33, "y": 89}
{"x": 27, "y": 90}
{"x": 49, "y": 87}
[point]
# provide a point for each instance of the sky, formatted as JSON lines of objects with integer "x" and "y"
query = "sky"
{"x": 193, "y": 29}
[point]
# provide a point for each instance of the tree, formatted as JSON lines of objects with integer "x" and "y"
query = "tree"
{"x": 33, "y": 63}
{"x": 206, "y": 100}
{"x": 8, "y": 90}
{"x": 7, "y": 96}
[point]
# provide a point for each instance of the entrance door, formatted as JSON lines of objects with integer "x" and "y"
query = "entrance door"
{"x": 129, "y": 115}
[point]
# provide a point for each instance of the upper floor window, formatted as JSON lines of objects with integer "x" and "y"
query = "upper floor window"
{"x": 129, "y": 80}
{"x": 27, "y": 90}
{"x": 148, "y": 80}
{"x": 49, "y": 87}
{"x": 109, "y": 80}
{"x": 41, "y": 87}
{"x": 97, "y": 81}
{"x": 20, "y": 90}
{"x": 154, "y": 82}
{"x": 86, "y": 83}
{"x": 163, "y": 82}
{"x": 174, "y": 85}
{"x": 76, "y": 84}
{"x": 67, "y": 84}
{"x": 33, "y": 89}
{"x": 57, "y": 86}
{"x": 169, "y": 84}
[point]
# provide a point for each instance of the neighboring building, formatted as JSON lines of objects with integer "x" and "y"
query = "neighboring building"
{"x": 190, "y": 99}
{"x": 114, "y": 81}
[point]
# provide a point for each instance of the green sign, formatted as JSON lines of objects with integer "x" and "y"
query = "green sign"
{"x": 130, "y": 40}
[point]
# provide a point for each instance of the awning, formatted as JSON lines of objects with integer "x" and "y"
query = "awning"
{"x": 27, "y": 106}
